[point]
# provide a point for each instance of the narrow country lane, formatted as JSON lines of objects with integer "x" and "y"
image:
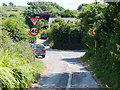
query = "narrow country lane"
{"x": 65, "y": 71}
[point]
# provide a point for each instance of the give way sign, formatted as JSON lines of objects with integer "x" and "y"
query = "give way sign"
{"x": 34, "y": 21}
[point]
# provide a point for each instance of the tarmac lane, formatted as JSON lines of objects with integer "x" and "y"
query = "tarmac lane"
{"x": 65, "y": 71}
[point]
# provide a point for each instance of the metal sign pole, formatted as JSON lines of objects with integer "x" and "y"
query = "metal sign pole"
{"x": 34, "y": 30}
{"x": 34, "y": 47}
{"x": 95, "y": 47}
{"x": 96, "y": 22}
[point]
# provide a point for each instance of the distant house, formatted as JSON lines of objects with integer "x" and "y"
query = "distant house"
{"x": 65, "y": 19}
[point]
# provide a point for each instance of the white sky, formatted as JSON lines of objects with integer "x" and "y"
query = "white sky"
{"x": 67, "y": 4}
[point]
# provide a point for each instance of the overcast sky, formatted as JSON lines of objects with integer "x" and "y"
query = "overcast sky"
{"x": 67, "y": 4}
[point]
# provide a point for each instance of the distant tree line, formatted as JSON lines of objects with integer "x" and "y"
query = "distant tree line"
{"x": 45, "y": 10}
{"x": 10, "y": 4}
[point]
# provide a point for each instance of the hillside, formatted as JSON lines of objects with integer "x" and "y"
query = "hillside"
{"x": 8, "y": 10}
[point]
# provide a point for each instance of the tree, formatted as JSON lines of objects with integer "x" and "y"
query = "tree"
{"x": 81, "y": 5}
{"x": 55, "y": 12}
{"x": 67, "y": 13}
{"x": 40, "y": 9}
{"x": 11, "y": 4}
{"x": 4, "y": 4}
{"x": 35, "y": 8}
{"x": 45, "y": 15}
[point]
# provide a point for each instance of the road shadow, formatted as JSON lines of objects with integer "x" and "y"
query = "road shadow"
{"x": 71, "y": 60}
{"x": 50, "y": 49}
{"x": 79, "y": 50}
{"x": 46, "y": 43}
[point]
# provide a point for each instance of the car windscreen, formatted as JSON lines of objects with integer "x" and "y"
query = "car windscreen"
{"x": 38, "y": 46}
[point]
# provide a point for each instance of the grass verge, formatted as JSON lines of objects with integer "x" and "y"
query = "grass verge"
{"x": 102, "y": 69}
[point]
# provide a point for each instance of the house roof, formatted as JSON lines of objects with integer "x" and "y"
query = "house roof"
{"x": 65, "y": 19}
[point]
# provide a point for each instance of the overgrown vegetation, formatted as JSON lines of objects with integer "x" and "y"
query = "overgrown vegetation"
{"x": 104, "y": 59}
{"x": 17, "y": 68}
{"x": 15, "y": 55}
{"x": 65, "y": 35}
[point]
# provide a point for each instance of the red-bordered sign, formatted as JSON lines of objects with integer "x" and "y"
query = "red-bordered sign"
{"x": 34, "y": 31}
{"x": 34, "y": 21}
{"x": 93, "y": 31}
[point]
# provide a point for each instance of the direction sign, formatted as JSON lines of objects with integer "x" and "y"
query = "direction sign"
{"x": 34, "y": 21}
{"x": 34, "y": 31}
{"x": 93, "y": 31}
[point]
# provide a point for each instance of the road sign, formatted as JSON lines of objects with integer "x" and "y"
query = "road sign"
{"x": 34, "y": 21}
{"x": 34, "y": 31}
{"x": 93, "y": 31}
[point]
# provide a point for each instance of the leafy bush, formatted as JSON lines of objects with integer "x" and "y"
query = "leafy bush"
{"x": 16, "y": 28}
{"x": 17, "y": 68}
{"x": 65, "y": 35}
{"x": 105, "y": 58}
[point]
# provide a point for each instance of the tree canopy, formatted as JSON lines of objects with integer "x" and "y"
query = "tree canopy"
{"x": 11, "y": 4}
{"x": 81, "y": 5}
{"x": 4, "y": 4}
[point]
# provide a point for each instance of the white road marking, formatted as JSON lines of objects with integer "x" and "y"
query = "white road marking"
{"x": 61, "y": 55}
{"x": 47, "y": 56}
{"x": 69, "y": 80}
{"x": 70, "y": 74}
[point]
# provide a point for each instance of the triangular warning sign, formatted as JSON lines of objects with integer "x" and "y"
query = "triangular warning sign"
{"x": 34, "y": 21}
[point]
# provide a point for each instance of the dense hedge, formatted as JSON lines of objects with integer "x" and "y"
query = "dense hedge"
{"x": 105, "y": 59}
{"x": 16, "y": 28}
{"x": 65, "y": 35}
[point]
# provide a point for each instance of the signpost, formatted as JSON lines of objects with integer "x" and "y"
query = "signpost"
{"x": 34, "y": 30}
{"x": 34, "y": 21}
{"x": 93, "y": 32}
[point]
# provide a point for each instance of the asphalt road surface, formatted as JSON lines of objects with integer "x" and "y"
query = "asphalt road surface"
{"x": 65, "y": 71}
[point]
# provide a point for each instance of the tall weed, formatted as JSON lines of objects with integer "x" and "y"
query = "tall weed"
{"x": 17, "y": 70}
